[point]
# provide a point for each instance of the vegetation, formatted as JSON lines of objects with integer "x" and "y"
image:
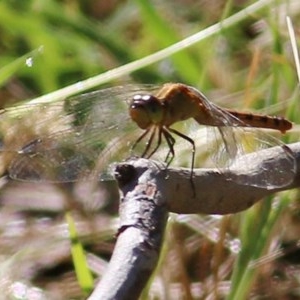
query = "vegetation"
{"x": 50, "y": 46}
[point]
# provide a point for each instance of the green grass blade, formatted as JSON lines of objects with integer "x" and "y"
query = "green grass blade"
{"x": 165, "y": 35}
{"x": 129, "y": 68}
{"x": 256, "y": 230}
{"x": 84, "y": 276}
{"x": 11, "y": 69}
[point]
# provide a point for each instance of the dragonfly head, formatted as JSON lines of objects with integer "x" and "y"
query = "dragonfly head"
{"x": 146, "y": 110}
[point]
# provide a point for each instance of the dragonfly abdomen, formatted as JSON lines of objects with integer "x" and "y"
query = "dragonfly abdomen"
{"x": 263, "y": 121}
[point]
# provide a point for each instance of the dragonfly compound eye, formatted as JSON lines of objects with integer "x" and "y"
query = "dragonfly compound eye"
{"x": 146, "y": 110}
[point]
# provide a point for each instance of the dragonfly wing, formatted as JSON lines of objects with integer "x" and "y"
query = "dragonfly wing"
{"x": 236, "y": 143}
{"x": 51, "y": 165}
{"x": 223, "y": 146}
{"x": 230, "y": 143}
{"x": 69, "y": 160}
{"x": 267, "y": 172}
{"x": 235, "y": 139}
{"x": 67, "y": 141}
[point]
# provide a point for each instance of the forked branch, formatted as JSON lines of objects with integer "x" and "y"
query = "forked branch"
{"x": 150, "y": 191}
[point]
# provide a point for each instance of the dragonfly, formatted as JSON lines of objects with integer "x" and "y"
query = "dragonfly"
{"x": 78, "y": 138}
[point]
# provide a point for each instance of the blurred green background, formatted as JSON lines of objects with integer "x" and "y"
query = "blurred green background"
{"x": 74, "y": 40}
{"x": 251, "y": 255}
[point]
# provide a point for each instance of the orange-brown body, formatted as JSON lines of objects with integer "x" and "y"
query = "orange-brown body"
{"x": 176, "y": 102}
{"x": 182, "y": 102}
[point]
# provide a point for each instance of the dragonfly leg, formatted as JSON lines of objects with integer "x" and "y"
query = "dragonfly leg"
{"x": 191, "y": 141}
{"x": 149, "y": 143}
{"x": 140, "y": 138}
{"x": 171, "y": 142}
{"x": 167, "y": 157}
{"x": 157, "y": 144}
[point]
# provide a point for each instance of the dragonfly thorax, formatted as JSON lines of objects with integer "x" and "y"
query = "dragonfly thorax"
{"x": 146, "y": 110}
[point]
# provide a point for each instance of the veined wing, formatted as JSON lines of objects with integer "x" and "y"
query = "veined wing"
{"x": 72, "y": 140}
{"x": 233, "y": 139}
{"x": 78, "y": 138}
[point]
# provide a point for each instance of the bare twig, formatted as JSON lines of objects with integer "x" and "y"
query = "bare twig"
{"x": 143, "y": 219}
{"x": 150, "y": 191}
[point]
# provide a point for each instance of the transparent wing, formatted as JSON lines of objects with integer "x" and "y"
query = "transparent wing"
{"x": 233, "y": 139}
{"x": 249, "y": 140}
{"x": 230, "y": 140}
{"x": 78, "y": 138}
{"x": 75, "y": 139}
